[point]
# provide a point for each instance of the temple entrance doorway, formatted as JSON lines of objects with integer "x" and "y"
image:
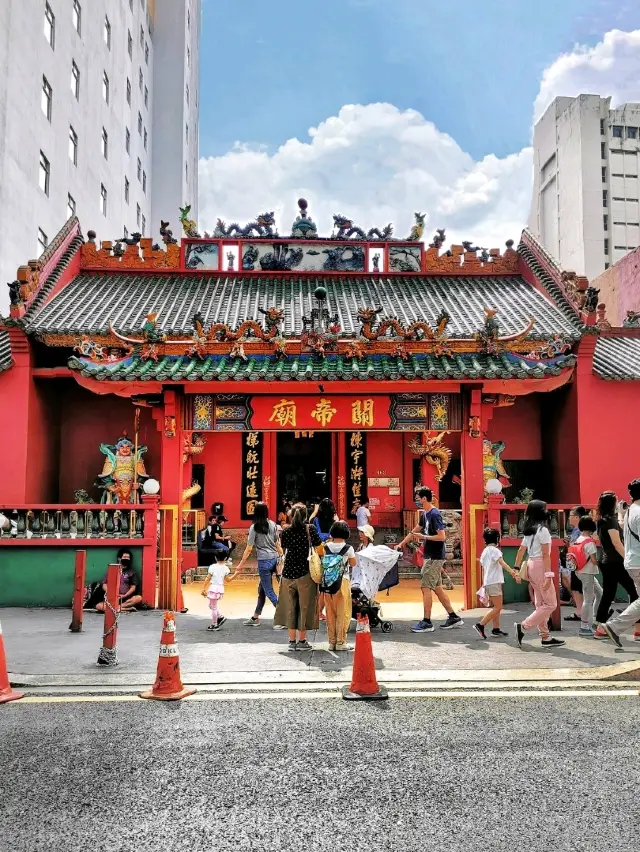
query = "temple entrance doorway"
{"x": 304, "y": 466}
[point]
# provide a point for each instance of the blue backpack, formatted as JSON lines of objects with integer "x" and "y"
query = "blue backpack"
{"x": 333, "y": 571}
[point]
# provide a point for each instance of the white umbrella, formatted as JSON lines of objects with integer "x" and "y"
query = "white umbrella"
{"x": 372, "y": 564}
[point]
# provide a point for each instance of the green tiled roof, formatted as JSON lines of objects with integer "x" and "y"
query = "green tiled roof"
{"x": 308, "y": 368}
{"x": 88, "y": 303}
{"x": 617, "y": 358}
{"x": 6, "y": 359}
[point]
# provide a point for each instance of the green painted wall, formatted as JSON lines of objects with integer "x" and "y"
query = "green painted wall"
{"x": 513, "y": 592}
{"x": 43, "y": 576}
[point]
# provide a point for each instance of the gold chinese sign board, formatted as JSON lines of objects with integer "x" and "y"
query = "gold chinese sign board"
{"x": 251, "y": 473}
{"x": 356, "y": 448}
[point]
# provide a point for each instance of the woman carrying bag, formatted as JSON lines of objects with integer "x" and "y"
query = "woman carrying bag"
{"x": 537, "y": 570}
{"x": 264, "y": 538}
{"x": 297, "y": 604}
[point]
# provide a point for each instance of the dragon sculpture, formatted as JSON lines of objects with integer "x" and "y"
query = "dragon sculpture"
{"x": 263, "y": 227}
{"x": 438, "y": 239}
{"x": 348, "y": 230}
{"x": 167, "y": 234}
{"x": 415, "y": 331}
{"x": 489, "y": 338}
{"x": 418, "y": 228}
{"x": 193, "y": 446}
{"x": 434, "y": 452}
{"x": 189, "y": 226}
{"x": 274, "y": 317}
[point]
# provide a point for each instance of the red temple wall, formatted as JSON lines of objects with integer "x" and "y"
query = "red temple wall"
{"x": 41, "y": 480}
{"x": 89, "y": 420}
{"x": 15, "y": 386}
{"x": 222, "y": 458}
{"x": 559, "y": 429}
{"x": 518, "y": 425}
{"x": 384, "y": 459}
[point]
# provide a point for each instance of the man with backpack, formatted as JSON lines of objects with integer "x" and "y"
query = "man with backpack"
{"x": 631, "y": 531}
{"x": 582, "y": 559}
{"x": 431, "y": 530}
{"x": 338, "y": 558}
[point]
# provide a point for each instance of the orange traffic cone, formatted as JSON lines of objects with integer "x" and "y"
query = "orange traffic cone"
{"x": 6, "y": 692}
{"x": 168, "y": 685}
{"x": 364, "y": 686}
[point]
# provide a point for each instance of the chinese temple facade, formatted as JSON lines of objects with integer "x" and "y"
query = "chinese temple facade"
{"x": 254, "y": 366}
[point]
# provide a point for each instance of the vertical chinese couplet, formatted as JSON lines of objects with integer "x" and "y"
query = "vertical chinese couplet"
{"x": 356, "y": 448}
{"x": 251, "y": 473}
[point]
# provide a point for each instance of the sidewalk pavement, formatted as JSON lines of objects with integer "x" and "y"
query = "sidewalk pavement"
{"x": 41, "y": 650}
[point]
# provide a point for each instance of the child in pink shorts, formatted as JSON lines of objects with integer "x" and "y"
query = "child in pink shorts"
{"x": 214, "y": 588}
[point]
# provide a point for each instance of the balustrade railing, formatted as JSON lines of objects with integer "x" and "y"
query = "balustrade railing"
{"x": 70, "y": 521}
{"x": 512, "y": 519}
{"x": 193, "y": 520}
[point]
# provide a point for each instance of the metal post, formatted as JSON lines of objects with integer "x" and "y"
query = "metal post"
{"x": 555, "y": 622}
{"x": 108, "y": 655}
{"x": 78, "y": 591}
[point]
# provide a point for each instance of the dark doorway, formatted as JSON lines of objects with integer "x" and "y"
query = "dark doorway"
{"x": 304, "y": 467}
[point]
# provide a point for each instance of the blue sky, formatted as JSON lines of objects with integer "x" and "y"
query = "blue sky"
{"x": 269, "y": 71}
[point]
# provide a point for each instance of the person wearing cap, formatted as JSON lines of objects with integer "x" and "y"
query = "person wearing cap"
{"x": 366, "y": 533}
{"x": 212, "y": 537}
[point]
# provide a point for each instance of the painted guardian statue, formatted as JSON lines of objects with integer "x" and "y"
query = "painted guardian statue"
{"x": 123, "y": 472}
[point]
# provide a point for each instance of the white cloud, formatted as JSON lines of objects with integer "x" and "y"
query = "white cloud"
{"x": 611, "y": 68}
{"x": 378, "y": 164}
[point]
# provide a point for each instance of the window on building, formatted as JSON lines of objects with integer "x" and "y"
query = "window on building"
{"x": 146, "y": 53}
{"x": 603, "y": 151}
{"x": 49, "y": 25}
{"x": 107, "y": 32}
{"x": 146, "y": 137}
{"x": 144, "y": 182}
{"x": 44, "y": 174}
{"x": 105, "y": 144}
{"x": 139, "y": 170}
{"x": 143, "y": 226}
{"x": 606, "y": 246}
{"x": 75, "y": 80}
{"x": 127, "y": 140}
{"x": 602, "y": 128}
{"x": 188, "y": 58}
{"x": 103, "y": 199}
{"x": 105, "y": 87}
{"x": 46, "y": 99}
{"x": 604, "y": 174}
{"x": 138, "y": 215}
{"x": 76, "y": 16}
{"x": 146, "y": 97}
{"x": 140, "y": 78}
{"x": 126, "y": 190}
{"x": 126, "y": 230}
{"x": 186, "y": 172}
{"x": 73, "y": 146}
{"x": 139, "y": 124}
{"x": 129, "y": 44}
{"x": 187, "y": 94}
{"x": 617, "y": 131}
{"x": 605, "y": 222}
{"x": 71, "y": 206}
{"x": 186, "y": 132}
{"x": 632, "y": 132}
{"x": 188, "y": 19}
{"x": 43, "y": 241}
{"x": 604, "y": 197}
{"x": 129, "y": 91}
{"x": 141, "y": 36}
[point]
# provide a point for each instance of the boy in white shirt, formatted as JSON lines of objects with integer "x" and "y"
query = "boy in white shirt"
{"x": 493, "y": 568}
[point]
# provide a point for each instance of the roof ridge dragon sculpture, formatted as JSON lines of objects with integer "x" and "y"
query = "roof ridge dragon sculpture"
{"x": 263, "y": 225}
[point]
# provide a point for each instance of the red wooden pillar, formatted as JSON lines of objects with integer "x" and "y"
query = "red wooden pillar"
{"x": 171, "y": 479}
{"x": 14, "y": 430}
{"x": 269, "y": 474}
{"x": 472, "y": 485}
{"x": 150, "y": 503}
{"x": 341, "y": 452}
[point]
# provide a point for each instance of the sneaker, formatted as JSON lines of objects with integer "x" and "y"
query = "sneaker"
{"x": 424, "y": 626}
{"x": 342, "y": 646}
{"x": 332, "y": 647}
{"x": 221, "y": 620}
{"x": 304, "y": 646}
{"x": 519, "y": 633}
{"x": 479, "y": 628}
{"x": 214, "y": 626}
{"x": 600, "y": 633}
{"x": 292, "y": 645}
{"x": 252, "y": 622}
{"x": 453, "y": 620}
{"x": 636, "y": 637}
{"x": 496, "y": 632}
{"x": 279, "y": 627}
{"x": 587, "y": 632}
{"x": 552, "y": 643}
{"x": 612, "y": 635}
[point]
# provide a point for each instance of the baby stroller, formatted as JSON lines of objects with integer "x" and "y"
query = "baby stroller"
{"x": 376, "y": 570}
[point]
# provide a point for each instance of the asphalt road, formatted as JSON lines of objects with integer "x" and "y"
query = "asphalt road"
{"x": 316, "y": 773}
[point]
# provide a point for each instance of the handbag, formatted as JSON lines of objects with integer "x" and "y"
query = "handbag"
{"x": 315, "y": 563}
{"x": 524, "y": 572}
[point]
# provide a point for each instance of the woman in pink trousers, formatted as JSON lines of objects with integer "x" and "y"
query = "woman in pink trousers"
{"x": 537, "y": 545}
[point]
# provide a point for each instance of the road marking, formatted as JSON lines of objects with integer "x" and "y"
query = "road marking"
{"x": 417, "y": 693}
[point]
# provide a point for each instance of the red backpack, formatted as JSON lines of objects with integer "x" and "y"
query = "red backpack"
{"x": 576, "y": 557}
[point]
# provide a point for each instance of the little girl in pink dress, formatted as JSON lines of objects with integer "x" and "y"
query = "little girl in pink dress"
{"x": 214, "y": 588}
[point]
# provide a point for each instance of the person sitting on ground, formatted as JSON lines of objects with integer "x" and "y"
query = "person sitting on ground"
{"x": 128, "y": 593}
{"x": 214, "y": 589}
{"x": 493, "y": 568}
{"x": 570, "y": 580}
{"x": 335, "y": 596}
{"x": 431, "y": 530}
{"x": 583, "y": 560}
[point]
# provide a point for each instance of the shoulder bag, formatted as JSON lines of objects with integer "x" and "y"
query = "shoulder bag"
{"x": 315, "y": 563}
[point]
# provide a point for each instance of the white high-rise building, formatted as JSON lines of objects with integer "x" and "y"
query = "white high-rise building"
{"x": 98, "y": 118}
{"x": 585, "y": 209}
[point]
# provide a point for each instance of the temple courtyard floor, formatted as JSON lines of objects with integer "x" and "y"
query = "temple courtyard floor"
{"x": 44, "y": 656}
